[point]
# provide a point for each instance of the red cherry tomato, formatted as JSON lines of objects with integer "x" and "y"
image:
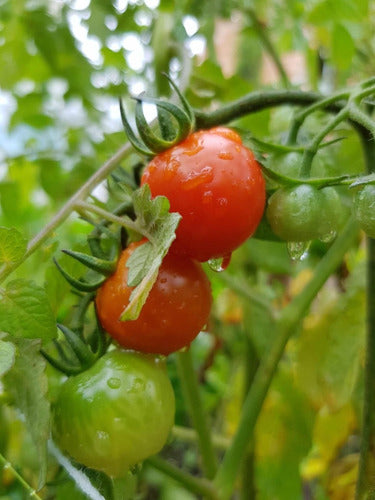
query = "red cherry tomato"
{"x": 217, "y": 186}
{"x": 176, "y": 309}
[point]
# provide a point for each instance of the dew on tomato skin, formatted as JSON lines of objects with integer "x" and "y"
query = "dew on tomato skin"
{"x": 194, "y": 179}
{"x": 222, "y": 202}
{"x": 207, "y": 197}
{"x": 114, "y": 382}
{"x": 225, "y": 156}
{"x": 138, "y": 385}
{"x": 330, "y": 236}
{"x": 197, "y": 147}
{"x": 102, "y": 435}
{"x": 171, "y": 169}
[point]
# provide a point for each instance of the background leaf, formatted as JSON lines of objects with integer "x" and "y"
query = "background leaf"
{"x": 7, "y": 356}
{"x": 12, "y": 245}
{"x": 27, "y": 383}
{"x": 25, "y": 311}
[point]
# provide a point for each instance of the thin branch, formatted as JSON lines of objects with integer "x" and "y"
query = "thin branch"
{"x": 191, "y": 483}
{"x": 8, "y": 466}
{"x": 190, "y": 388}
{"x": 366, "y": 472}
{"x": 289, "y": 319}
{"x": 257, "y": 101}
{"x": 68, "y": 208}
{"x": 189, "y": 435}
{"x": 262, "y": 33}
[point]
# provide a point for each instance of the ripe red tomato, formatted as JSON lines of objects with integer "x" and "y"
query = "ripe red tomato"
{"x": 217, "y": 186}
{"x": 176, "y": 309}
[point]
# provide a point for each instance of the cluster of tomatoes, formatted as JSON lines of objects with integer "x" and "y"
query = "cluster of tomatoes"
{"x": 122, "y": 408}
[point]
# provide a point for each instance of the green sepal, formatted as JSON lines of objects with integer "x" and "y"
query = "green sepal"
{"x": 100, "y": 228}
{"x": 106, "y": 267}
{"x": 61, "y": 352}
{"x": 95, "y": 246}
{"x": 136, "y": 143}
{"x": 78, "y": 346}
{"x": 165, "y": 124}
{"x": 150, "y": 139}
{"x": 99, "y": 340}
{"x": 60, "y": 365}
{"x": 185, "y": 103}
{"x": 82, "y": 286}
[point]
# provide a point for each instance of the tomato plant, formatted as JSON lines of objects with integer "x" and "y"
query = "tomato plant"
{"x": 364, "y": 209}
{"x": 115, "y": 414}
{"x": 176, "y": 309}
{"x": 217, "y": 186}
{"x": 304, "y": 213}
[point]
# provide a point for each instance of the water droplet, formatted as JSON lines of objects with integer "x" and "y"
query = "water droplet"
{"x": 138, "y": 385}
{"x": 207, "y": 197}
{"x": 225, "y": 155}
{"x": 298, "y": 249}
{"x": 102, "y": 435}
{"x": 220, "y": 264}
{"x": 330, "y": 236}
{"x": 222, "y": 203}
{"x": 114, "y": 382}
{"x": 171, "y": 168}
{"x": 194, "y": 179}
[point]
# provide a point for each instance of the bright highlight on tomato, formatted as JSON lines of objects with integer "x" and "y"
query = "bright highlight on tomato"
{"x": 115, "y": 414}
{"x": 217, "y": 186}
{"x": 176, "y": 309}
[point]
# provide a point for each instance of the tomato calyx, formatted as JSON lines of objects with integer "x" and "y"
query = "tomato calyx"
{"x": 148, "y": 143}
{"x": 77, "y": 352}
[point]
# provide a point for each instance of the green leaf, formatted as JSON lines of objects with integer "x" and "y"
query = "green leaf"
{"x": 283, "y": 438}
{"x": 12, "y": 245}
{"x": 343, "y": 47}
{"x": 27, "y": 383}
{"x": 25, "y": 311}
{"x": 153, "y": 219}
{"x": 331, "y": 347}
{"x": 7, "y": 356}
{"x": 139, "y": 259}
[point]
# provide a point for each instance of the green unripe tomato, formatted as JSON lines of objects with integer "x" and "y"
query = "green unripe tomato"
{"x": 331, "y": 214}
{"x": 364, "y": 209}
{"x": 288, "y": 164}
{"x": 304, "y": 213}
{"x": 115, "y": 414}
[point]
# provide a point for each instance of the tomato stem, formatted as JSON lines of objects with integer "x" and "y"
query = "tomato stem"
{"x": 188, "y": 435}
{"x": 313, "y": 147}
{"x": 190, "y": 389}
{"x": 124, "y": 488}
{"x": 8, "y": 466}
{"x": 262, "y": 33}
{"x": 301, "y": 115}
{"x": 366, "y": 473}
{"x": 191, "y": 483}
{"x": 288, "y": 320}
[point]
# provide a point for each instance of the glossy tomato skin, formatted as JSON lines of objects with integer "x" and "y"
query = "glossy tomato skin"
{"x": 217, "y": 186}
{"x": 304, "y": 213}
{"x": 115, "y": 414}
{"x": 176, "y": 309}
